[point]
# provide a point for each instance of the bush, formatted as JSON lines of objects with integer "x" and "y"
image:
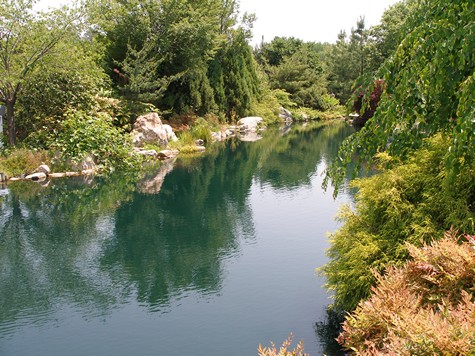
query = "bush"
{"x": 22, "y": 161}
{"x": 202, "y": 130}
{"x": 283, "y": 350}
{"x": 81, "y": 134}
{"x": 422, "y": 308}
{"x": 411, "y": 202}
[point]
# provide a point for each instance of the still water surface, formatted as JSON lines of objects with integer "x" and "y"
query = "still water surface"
{"x": 205, "y": 257}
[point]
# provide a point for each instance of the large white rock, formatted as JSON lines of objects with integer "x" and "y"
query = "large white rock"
{"x": 149, "y": 129}
{"x": 249, "y": 123}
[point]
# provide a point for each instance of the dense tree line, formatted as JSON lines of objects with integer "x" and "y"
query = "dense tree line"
{"x": 177, "y": 56}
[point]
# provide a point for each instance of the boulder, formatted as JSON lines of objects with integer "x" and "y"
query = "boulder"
{"x": 149, "y": 129}
{"x": 43, "y": 169}
{"x": 58, "y": 175}
{"x": 167, "y": 154}
{"x": 285, "y": 115}
{"x": 170, "y": 134}
{"x": 250, "y": 123}
{"x": 146, "y": 153}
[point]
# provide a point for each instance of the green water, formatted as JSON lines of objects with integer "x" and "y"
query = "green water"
{"x": 209, "y": 256}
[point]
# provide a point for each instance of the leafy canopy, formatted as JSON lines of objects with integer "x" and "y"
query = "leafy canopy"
{"x": 430, "y": 88}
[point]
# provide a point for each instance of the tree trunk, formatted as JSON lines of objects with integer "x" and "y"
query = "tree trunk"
{"x": 11, "y": 123}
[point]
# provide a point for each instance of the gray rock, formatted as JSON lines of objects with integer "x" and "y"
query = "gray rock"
{"x": 166, "y": 154}
{"x": 286, "y": 115}
{"x": 250, "y": 123}
{"x": 146, "y": 153}
{"x": 149, "y": 129}
{"x": 58, "y": 175}
{"x": 43, "y": 169}
{"x": 88, "y": 163}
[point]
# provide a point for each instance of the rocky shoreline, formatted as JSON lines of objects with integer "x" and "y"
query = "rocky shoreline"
{"x": 149, "y": 129}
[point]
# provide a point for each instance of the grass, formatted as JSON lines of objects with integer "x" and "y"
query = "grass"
{"x": 22, "y": 161}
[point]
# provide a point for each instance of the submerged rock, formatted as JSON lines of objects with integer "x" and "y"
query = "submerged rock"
{"x": 36, "y": 177}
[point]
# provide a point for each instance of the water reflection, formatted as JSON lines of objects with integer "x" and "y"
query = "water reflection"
{"x": 98, "y": 246}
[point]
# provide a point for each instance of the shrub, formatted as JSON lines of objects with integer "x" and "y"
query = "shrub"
{"x": 421, "y": 308}
{"x": 81, "y": 134}
{"x": 202, "y": 130}
{"x": 22, "y": 161}
{"x": 283, "y": 350}
{"x": 410, "y": 202}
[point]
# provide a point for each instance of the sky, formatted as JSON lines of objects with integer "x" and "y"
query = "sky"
{"x": 311, "y": 20}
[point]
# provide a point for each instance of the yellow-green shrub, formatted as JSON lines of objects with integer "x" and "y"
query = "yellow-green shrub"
{"x": 411, "y": 202}
{"x": 22, "y": 161}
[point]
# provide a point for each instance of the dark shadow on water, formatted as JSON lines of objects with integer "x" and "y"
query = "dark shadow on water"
{"x": 328, "y": 330}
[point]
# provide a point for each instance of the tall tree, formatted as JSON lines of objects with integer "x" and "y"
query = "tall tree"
{"x": 429, "y": 89}
{"x": 27, "y": 39}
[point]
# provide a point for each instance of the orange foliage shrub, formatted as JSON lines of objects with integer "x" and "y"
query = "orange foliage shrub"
{"x": 423, "y": 308}
{"x": 283, "y": 350}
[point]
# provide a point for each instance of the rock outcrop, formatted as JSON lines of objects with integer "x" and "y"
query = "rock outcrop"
{"x": 149, "y": 129}
{"x": 250, "y": 123}
{"x": 43, "y": 169}
{"x": 286, "y": 115}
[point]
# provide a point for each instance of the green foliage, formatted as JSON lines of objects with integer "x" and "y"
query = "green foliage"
{"x": 240, "y": 78}
{"x": 410, "y": 202}
{"x": 81, "y": 134}
{"x": 385, "y": 37}
{"x": 22, "y": 161}
{"x": 123, "y": 111}
{"x": 304, "y": 114}
{"x": 424, "y": 307}
{"x": 185, "y": 57}
{"x": 429, "y": 89}
{"x": 30, "y": 42}
{"x": 348, "y": 60}
{"x": 55, "y": 88}
{"x": 273, "y": 53}
{"x": 295, "y": 67}
{"x": 354, "y": 59}
{"x": 201, "y": 130}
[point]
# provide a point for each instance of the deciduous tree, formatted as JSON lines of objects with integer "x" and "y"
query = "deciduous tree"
{"x": 27, "y": 39}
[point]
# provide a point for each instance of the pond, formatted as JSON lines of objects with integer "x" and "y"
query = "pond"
{"x": 206, "y": 256}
